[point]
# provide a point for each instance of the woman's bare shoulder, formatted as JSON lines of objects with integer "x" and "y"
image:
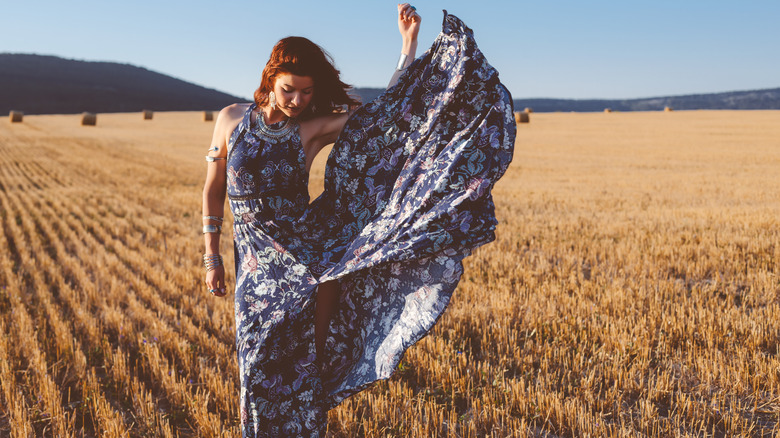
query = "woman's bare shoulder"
{"x": 230, "y": 116}
{"x": 228, "y": 119}
{"x": 234, "y": 112}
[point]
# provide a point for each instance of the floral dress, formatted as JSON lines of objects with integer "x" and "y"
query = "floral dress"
{"x": 407, "y": 197}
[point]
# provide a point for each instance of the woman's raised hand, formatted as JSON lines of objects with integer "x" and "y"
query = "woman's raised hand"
{"x": 409, "y": 25}
{"x": 408, "y": 22}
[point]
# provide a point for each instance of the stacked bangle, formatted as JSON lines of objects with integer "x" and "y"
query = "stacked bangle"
{"x": 213, "y": 218}
{"x": 212, "y": 261}
{"x": 212, "y": 229}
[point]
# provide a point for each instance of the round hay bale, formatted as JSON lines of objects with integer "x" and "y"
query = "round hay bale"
{"x": 521, "y": 117}
{"x": 15, "y": 116}
{"x": 607, "y": 110}
{"x": 148, "y": 114}
{"x": 88, "y": 119}
{"x": 528, "y": 110}
{"x": 668, "y": 109}
{"x": 208, "y": 116}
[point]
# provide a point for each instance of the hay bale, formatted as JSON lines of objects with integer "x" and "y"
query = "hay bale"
{"x": 528, "y": 110}
{"x": 148, "y": 114}
{"x": 15, "y": 116}
{"x": 668, "y": 109}
{"x": 208, "y": 116}
{"x": 88, "y": 119}
{"x": 607, "y": 110}
{"x": 521, "y": 117}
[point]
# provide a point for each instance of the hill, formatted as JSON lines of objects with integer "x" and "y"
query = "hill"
{"x": 38, "y": 84}
{"x": 735, "y": 100}
{"x": 367, "y": 94}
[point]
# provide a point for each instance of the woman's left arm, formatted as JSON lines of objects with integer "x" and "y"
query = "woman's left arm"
{"x": 325, "y": 130}
{"x": 409, "y": 26}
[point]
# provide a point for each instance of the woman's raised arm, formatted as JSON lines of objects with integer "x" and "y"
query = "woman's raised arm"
{"x": 325, "y": 130}
{"x": 409, "y": 25}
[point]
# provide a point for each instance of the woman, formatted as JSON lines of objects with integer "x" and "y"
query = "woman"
{"x": 329, "y": 295}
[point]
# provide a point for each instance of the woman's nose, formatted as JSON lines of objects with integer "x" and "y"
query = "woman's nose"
{"x": 296, "y": 100}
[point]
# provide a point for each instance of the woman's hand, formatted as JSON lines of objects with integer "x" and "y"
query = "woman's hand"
{"x": 408, "y": 23}
{"x": 215, "y": 281}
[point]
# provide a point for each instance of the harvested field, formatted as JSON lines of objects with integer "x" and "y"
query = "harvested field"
{"x": 633, "y": 290}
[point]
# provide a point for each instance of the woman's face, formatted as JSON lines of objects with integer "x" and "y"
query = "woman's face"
{"x": 293, "y": 93}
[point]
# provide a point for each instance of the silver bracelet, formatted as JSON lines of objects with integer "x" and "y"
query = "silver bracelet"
{"x": 212, "y": 229}
{"x": 213, "y": 159}
{"x": 213, "y": 218}
{"x": 212, "y": 261}
{"x": 401, "y": 62}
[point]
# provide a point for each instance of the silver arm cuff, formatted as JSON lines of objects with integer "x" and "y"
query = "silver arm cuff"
{"x": 401, "y": 62}
{"x": 211, "y": 229}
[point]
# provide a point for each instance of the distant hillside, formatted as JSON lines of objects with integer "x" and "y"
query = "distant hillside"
{"x": 735, "y": 100}
{"x": 367, "y": 94}
{"x": 39, "y": 84}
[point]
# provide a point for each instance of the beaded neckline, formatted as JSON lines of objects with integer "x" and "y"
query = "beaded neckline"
{"x": 270, "y": 132}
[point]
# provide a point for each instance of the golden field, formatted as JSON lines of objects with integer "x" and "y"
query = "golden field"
{"x": 633, "y": 290}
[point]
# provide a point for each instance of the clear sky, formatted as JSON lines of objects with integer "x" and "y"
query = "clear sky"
{"x": 563, "y": 48}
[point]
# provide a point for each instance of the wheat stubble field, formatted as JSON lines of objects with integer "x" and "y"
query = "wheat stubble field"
{"x": 633, "y": 289}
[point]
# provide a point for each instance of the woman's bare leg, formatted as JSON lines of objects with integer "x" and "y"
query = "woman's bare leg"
{"x": 327, "y": 298}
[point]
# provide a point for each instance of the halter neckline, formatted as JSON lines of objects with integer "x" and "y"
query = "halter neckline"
{"x": 269, "y": 131}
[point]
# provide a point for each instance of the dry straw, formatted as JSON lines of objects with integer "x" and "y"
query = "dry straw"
{"x": 614, "y": 308}
{"x": 521, "y": 117}
{"x": 668, "y": 109}
{"x": 208, "y": 116}
{"x": 15, "y": 116}
{"x": 148, "y": 114}
{"x": 528, "y": 110}
{"x": 607, "y": 110}
{"x": 88, "y": 119}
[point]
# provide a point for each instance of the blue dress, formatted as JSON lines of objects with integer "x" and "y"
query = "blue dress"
{"x": 407, "y": 197}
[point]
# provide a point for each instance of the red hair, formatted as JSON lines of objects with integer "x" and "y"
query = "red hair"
{"x": 301, "y": 57}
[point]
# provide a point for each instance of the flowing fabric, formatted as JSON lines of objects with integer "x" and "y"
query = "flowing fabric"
{"x": 407, "y": 197}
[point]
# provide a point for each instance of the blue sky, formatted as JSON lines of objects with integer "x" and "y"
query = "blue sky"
{"x": 565, "y": 49}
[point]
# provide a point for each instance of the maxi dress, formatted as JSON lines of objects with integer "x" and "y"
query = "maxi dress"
{"x": 407, "y": 197}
